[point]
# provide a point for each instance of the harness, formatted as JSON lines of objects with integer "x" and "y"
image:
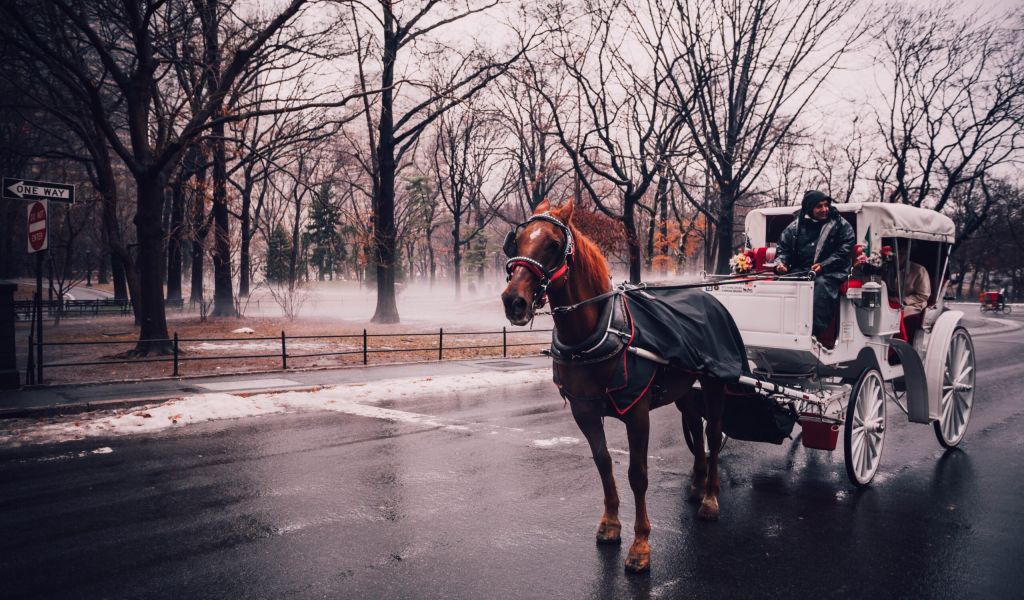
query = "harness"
{"x": 544, "y": 275}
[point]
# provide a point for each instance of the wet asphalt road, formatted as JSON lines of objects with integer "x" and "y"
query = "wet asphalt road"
{"x": 327, "y": 505}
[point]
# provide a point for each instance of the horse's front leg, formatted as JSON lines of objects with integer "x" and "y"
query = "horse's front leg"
{"x": 714, "y": 406}
{"x": 609, "y": 529}
{"x": 638, "y": 429}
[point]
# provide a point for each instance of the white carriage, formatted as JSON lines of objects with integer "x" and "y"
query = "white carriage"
{"x": 845, "y": 381}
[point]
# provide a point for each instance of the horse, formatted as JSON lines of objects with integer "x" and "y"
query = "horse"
{"x": 550, "y": 261}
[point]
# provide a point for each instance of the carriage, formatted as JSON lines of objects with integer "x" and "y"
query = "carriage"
{"x": 748, "y": 346}
{"x": 994, "y": 301}
{"x": 869, "y": 354}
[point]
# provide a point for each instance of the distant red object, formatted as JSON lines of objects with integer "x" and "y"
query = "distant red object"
{"x": 993, "y": 301}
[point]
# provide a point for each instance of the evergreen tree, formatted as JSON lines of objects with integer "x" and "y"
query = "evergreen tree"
{"x": 279, "y": 250}
{"x": 322, "y": 235}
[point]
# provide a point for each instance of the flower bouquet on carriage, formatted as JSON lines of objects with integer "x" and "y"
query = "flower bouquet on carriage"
{"x": 868, "y": 265}
{"x": 752, "y": 261}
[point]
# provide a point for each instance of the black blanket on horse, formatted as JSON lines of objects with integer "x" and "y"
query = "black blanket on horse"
{"x": 688, "y": 327}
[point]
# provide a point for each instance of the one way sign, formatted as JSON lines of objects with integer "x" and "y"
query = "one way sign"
{"x": 23, "y": 189}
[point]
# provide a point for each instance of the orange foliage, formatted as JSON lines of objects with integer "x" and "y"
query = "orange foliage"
{"x": 607, "y": 233}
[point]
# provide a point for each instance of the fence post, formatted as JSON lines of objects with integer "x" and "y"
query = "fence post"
{"x": 175, "y": 353}
{"x": 39, "y": 341}
{"x": 364, "y": 346}
{"x": 440, "y": 344}
{"x": 30, "y": 366}
{"x": 284, "y": 352}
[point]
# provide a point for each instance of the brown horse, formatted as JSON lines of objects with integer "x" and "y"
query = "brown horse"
{"x": 552, "y": 261}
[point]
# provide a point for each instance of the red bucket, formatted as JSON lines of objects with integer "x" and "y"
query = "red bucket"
{"x": 820, "y": 433}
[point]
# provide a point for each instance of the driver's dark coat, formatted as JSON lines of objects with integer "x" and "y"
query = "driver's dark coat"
{"x": 800, "y": 239}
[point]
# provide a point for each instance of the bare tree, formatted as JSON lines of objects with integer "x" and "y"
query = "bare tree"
{"x": 466, "y": 152}
{"x": 626, "y": 134}
{"x": 954, "y": 103}
{"x": 124, "y": 43}
{"x": 406, "y": 106}
{"x": 742, "y": 73}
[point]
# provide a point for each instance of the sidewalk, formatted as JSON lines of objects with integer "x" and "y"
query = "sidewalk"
{"x": 67, "y": 399}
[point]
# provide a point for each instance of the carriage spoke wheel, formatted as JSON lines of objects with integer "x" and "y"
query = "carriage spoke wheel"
{"x": 957, "y": 390}
{"x": 864, "y": 434}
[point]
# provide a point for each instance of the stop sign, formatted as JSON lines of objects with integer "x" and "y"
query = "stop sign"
{"x": 37, "y": 238}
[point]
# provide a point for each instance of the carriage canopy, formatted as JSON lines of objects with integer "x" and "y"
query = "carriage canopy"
{"x": 882, "y": 219}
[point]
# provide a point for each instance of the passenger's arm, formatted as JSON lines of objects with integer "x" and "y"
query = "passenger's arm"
{"x": 919, "y": 288}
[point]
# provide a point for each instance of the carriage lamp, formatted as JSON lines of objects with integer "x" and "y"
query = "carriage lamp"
{"x": 871, "y": 295}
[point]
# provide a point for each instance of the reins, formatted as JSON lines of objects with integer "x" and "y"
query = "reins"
{"x": 731, "y": 280}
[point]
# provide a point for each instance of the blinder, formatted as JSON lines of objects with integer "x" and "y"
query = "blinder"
{"x": 509, "y": 247}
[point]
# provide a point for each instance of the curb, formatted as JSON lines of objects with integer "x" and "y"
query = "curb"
{"x": 74, "y": 408}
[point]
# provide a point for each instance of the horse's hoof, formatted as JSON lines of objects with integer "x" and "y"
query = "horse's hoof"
{"x": 708, "y": 510}
{"x": 609, "y": 533}
{"x": 696, "y": 494}
{"x": 638, "y": 562}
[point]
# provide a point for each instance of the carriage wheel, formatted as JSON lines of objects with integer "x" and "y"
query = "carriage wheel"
{"x": 1007, "y": 309}
{"x": 864, "y": 434}
{"x": 957, "y": 390}
{"x": 707, "y": 450}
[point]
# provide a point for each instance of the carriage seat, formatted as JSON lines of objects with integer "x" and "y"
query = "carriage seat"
{"x": 762, "y": 257}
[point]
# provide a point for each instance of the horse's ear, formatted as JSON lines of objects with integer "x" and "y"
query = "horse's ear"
{"x": 544, "y": 206}
{"x": 564, "y": 212}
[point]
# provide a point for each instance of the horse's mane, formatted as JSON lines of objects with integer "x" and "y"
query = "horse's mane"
{"x": 590, "y": 266}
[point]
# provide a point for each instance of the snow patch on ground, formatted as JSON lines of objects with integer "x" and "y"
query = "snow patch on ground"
{"x": 556, "y": 441}
{"x": 355, "y": 399}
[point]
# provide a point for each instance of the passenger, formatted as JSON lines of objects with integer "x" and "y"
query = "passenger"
{"x": 821, "y": 241}
{"x": 916, "y": 288}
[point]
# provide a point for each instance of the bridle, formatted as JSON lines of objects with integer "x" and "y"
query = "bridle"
{"x": 544, "y": 275}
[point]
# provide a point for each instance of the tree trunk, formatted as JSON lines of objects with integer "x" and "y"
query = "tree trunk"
{"x": 118, "y": 275}
{"x": 174, "y": 241}
{"x": 244, "y": 259}
{"x": 726, "y": 222}
{"x": 153, "y": 334}
{"x": 430, "y": 257}
{"x": 102, "y": 274}
{"x": 632, "y": 241}
{"x": 223, "y": 294}
{"x": 457, "y": 259}
{"x": 384, "y": 203}
{"x": 199, "y": 230}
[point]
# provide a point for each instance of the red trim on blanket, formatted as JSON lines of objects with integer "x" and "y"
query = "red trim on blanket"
{"x": 625, "y": 366}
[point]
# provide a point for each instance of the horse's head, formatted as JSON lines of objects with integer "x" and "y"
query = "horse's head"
{"x": 540, "y": 251}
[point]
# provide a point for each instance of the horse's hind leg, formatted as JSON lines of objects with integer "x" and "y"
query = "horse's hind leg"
{"x": 714, "y": 405}
{"x": 638, "y": 429}
{"x": 609, "y": 529}
{"x": 692, "y": 424}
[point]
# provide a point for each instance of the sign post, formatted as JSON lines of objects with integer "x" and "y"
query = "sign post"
{"x": 38, "y": 241}
{"x": 38, "y": 193}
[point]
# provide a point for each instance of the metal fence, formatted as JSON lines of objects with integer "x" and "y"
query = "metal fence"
{"x": 74, "y": 308}
{"x": 36, "y": 367}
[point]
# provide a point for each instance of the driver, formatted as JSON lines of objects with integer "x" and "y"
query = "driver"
{"x": 821, "y": 241}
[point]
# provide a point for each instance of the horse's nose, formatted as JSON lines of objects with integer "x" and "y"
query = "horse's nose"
{"x": 515, "y": 308}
